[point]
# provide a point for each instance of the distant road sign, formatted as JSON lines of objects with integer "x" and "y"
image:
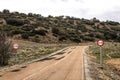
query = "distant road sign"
{"x": 100, "y": 42}
{"x": 15, "y": 46}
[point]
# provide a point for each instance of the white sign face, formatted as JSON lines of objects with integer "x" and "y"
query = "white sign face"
{"x": 15, "y": 46}
{"x": 100, "y": 42}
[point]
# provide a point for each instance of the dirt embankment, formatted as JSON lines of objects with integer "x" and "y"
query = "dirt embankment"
{"x": 109, "y": 71}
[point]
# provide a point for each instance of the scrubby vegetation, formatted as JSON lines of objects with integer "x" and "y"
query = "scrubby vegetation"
{"x": 5, "y": 49}
{"x": 111, "y": 61}
{"x": 28, "y": 51}
{"x": 59, "y": 28}
{"x": 109, "y": 50}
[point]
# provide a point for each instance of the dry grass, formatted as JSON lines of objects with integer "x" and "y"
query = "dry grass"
{"x": 30, "y": 50}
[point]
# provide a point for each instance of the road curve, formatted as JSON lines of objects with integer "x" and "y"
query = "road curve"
{"x": 62, "y": 66}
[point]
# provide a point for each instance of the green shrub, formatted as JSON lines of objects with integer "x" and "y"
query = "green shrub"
{"x": 110, "y": 35}
{"x": 27, "y": 28}
{"x": 5, "y": 11}
{"x": 16, "y": 32}
{"x": 40, "y": 32}
{"x": 5, "y": 49}
{"x": 55, "y": 30}
{"x": 99, "y": 35}
{"x": 87, "y": 38}
{"x": 76, "y": 40}
{"x": 82, "y": 28}
{"x": 15, "y": 22}
{"x": 112, "y": 23}
{"x": 31, "y": 34}
{"x": 25, "y": 35}
{"x": 62, "y": 38}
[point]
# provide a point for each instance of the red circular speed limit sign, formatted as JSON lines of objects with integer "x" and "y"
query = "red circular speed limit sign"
{"x": 15, "y": 46}
{"x": 100, "y": 42}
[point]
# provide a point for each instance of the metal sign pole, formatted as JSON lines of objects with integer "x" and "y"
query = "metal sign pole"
{"x": 100, "y": 55}
{"x": 15, "y": 56}
{"x": 100, "y": 43}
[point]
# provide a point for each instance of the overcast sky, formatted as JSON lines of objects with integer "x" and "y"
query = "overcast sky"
{"x": 101, "y": 9}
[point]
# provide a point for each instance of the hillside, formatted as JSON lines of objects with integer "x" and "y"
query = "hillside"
{"x": 36, "y": 28}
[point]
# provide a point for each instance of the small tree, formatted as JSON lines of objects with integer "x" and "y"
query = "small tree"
{"x": 5, "y": 48}
{"x": 6, "y": 11}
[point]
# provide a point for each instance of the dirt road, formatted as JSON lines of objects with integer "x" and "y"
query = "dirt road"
{"x": 61, "y": 66}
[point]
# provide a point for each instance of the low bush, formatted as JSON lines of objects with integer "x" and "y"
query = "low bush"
{"x": 40, "y": 32}
{"x": 15, "y": 22}
{"x": 25, "y": 36}
{"x": 55, "y": 30}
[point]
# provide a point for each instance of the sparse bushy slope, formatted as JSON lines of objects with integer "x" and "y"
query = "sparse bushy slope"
{"x": 37, "y": 28}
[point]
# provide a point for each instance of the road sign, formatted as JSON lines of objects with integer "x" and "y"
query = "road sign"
{"x": 15, "y": 46}
{"x": 100, "y": 42}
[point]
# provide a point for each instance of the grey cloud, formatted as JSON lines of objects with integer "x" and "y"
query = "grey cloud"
{"x": 67, "y": 0}
{"x": 110, "y": 15}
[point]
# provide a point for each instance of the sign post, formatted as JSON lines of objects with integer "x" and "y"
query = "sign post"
{"x": 100, "y": 43}
{"x": 100, "y": 55}
{"x": 15, "y": 47}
